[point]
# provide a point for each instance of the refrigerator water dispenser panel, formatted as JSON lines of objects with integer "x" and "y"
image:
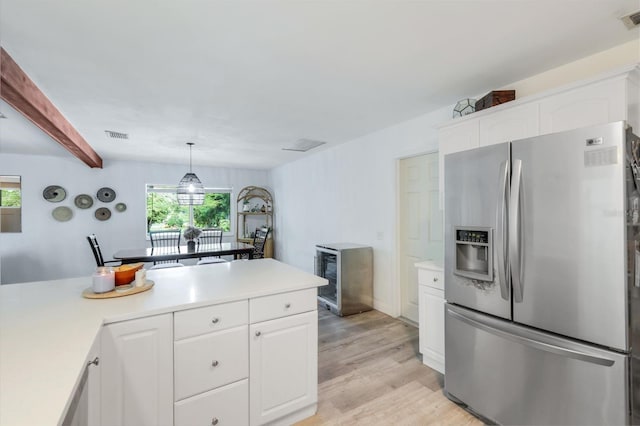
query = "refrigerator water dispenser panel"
{"x": 474, "y": 253}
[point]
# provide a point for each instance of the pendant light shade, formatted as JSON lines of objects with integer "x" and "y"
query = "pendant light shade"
{"x": 190, "y": 189}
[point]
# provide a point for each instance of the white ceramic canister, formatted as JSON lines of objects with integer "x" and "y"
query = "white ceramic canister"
{"x": 104, "y": 280}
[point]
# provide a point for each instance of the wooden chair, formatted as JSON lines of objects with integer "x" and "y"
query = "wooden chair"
{"x": 97, "y": 253}
{"x": 166, "y": 241}
{"x": 259, "y": 241}
{"x": 210, "y": 236}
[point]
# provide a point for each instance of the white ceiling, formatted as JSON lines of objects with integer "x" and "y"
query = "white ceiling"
{"x": 243, "y": 79}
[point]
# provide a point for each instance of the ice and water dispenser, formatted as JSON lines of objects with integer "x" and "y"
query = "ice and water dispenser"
{"x": 474, "y": 253}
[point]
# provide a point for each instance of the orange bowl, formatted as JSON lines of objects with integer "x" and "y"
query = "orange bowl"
{"x": 126, "y": 273}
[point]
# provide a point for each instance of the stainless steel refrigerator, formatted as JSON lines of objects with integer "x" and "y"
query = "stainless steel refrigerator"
{"x": 541, "y": 249}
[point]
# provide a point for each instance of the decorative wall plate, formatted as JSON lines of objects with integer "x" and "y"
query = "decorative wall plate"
{"x": 103, "y": 213}
{"x": 83, "y": 201}
{"x": 62, "y": 214}
{"x": 54, "y": 193}
{"x": 121, "y": 207}
{"x": 106, "y": 195}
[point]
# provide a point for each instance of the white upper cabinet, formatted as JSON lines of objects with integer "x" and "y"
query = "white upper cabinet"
{"x": 510, "y": 124}
{"x": 613, "y": 97}
{"x": 594, "y": 104}
{"x": 458, "y": 137}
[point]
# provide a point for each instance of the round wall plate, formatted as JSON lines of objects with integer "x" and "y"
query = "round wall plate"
{"x": 54, "y": 193}
{"x": 121, "y": 207}
{"x": 106, "y": 195}
{"x": 83, "y": 201}
{"x": 102, "y": 213}
{"x": 62, "y": 214}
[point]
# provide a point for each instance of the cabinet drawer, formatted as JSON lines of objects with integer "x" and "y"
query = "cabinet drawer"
{"x": 194, "y": 322}
{"x": 228, "y": 405}
{"x": 211, "y": 360}
{"x": 428, "y": 277}
{"x": 282, "y": 305}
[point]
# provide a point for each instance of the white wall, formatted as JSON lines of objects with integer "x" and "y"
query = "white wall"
{"x": 348, "y": 193}
{"x": 47, "y": 249}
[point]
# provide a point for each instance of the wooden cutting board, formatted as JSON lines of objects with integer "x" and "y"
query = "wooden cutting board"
{"x": 89, "y": 294}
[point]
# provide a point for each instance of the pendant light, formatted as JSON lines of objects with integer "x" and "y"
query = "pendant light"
{"x": 190, "y": 189}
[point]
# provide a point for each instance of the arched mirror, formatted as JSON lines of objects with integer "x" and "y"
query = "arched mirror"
{"x": 10, "y": 204}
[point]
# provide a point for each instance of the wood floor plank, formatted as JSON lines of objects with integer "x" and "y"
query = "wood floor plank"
{"x": 370, "y": 371}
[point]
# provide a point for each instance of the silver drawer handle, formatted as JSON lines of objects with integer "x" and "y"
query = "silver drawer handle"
{"x": 258, "y": 333}
{"x": 435, "y": 279}
{"x": 215, "y": 320}
{"x": 215, "y": 363}
{"x": 287, "y": 305}
{"x": 214, "y": 421}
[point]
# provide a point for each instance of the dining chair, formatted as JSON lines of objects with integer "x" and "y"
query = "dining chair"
{"x": 97, "y": 253}
{"x": 210, "y": 236}
{"x": 167, "y": 241}
{"x": 259, "y": 241}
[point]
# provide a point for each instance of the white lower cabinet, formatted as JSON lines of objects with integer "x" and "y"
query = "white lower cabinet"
{"x": 209, "y": 361}
{"x": 137, "y": 372}
{"x": 431, "y": 314}
{"x": 284, "y": 368}
{"x": 84, "y": 409}
{"x": 225, "y": 406}
{"x": 212, "y": 365}
{"x": 432, "y": 333}
{"x": 219, "y": 369}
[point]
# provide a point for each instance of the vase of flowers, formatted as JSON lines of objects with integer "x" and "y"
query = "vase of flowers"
{"x": 190, "y": 234}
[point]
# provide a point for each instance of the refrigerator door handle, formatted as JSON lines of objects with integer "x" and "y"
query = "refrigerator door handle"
{"x": 543, "y": 346}
{"x": 515, "y": 236}
{"x": 501, "y": 222}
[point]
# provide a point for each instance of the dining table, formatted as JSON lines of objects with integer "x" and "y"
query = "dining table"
{"x": 151, "y": 254}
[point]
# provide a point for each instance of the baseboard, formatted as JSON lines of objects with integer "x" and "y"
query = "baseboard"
{"x": 296, "y": 416}
{"x": 432, "y": 362}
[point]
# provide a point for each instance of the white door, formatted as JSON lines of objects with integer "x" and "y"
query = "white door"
{"x": 284, "y": 366}
{"x": 420, "y": 225}
{"x": 137, "y": 372}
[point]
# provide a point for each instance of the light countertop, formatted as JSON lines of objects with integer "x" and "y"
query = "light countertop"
{"x": 434, "y": 265}
{"x": 47, "y": 328}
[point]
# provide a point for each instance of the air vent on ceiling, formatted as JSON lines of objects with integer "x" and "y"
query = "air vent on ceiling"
{"x": 632, "y": 20}
{"x": 304, "y": 145}
{"x": 116, "y": 135}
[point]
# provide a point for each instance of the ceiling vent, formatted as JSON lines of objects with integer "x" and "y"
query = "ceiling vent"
{"x": 304, "y": 145}
{"x": 632, "y": 20}
{"x": 116, "y": 135}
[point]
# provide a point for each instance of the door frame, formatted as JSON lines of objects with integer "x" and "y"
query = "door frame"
{"x": 397, "y": 293}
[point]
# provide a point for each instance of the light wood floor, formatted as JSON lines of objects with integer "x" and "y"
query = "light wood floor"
{"x": 370, "y": 373}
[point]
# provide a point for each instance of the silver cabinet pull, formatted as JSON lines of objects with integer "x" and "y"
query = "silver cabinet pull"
{"x": 96, "y": 361}
{"x": 215, "y": 320}
{"x": 258, "y": 333}
{"x": 215, "y": 363}
{"x": 214, "y": 421}
{"x": 287, "y": 305}
{"x": 435, "y": 279}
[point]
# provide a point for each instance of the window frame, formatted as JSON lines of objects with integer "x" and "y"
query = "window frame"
{"x": 172, "y": 188}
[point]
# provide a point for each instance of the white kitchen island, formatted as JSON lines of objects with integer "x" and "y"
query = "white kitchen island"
{"x": 48, "y": 333}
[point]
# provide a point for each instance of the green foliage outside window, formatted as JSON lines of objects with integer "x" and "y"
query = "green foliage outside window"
{"x": 10, "y": 198}
{"x": 164, "y": 212}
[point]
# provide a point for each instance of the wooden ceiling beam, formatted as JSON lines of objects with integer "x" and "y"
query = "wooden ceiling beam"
{"x": 17, "y": 89}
